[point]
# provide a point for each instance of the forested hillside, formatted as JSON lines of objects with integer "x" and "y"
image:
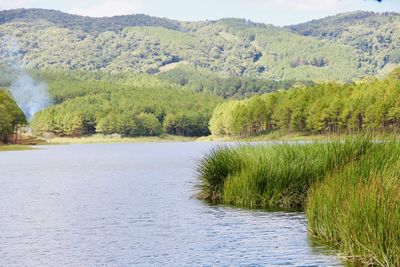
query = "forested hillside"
{"x": 87, "y": 24}
{"x": 321, "y": 109}
{"x": 228, "y": 47}
{"x": 185, "y": 77}
{"x": 376, "y": 37}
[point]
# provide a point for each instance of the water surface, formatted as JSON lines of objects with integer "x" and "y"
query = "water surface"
{"x": 132, "y": 205}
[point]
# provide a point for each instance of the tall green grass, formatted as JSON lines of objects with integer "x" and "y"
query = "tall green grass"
{"x": 357, "y": 207}
{"x": 269, "y": 176}
{"x": 350, "y": 189}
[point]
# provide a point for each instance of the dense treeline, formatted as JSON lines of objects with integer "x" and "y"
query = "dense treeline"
{"x": 325, "y": 108}
{"x": 232, "y": 87}
{"x": 88, "y": 107}
{"x": 185, "y": 77}
{"x": 10, "y": 116}
{"x": 64, "y": 85}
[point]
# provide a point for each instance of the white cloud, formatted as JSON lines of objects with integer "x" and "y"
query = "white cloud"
{"x": 11, "y": 4}
{"x": 300, "y": 5}
{"x": 108, "y": 8}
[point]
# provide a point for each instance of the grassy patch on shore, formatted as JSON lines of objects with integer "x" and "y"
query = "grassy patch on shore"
{"x": 350, "y": 189}
{"x": 106, "y": 139}
{"x": 275, "y": 136}
{"x": 284, "y": 136}
{"x": 15, "y": 148}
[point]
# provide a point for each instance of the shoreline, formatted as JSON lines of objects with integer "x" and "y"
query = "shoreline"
{"x": 294, "y": 137}
{"x": 4, "y": 148}
{"x": 103, "y": 139}
{"x": 109, "y": 139}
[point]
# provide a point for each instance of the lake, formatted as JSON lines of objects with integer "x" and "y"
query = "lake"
{"x": 133, "y": 205}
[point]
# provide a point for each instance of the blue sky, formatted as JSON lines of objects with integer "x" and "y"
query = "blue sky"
{"x": 277, "y": 12}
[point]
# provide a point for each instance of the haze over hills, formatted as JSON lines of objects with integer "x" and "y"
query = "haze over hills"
{"x": 343, "y": 47}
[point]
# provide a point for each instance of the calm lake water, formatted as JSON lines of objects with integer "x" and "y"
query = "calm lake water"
{"x": 133, "y": 205}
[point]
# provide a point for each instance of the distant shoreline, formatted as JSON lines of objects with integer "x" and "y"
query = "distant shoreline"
{"x": 109, "y": 139}
{"x": 105, "y": 139}
{"x": 4, "y": 148}
{"x": 276, "y": 136}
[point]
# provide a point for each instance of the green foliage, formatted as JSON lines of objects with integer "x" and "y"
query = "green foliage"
{"x": 268, "y": 176}
{"x": 230, "y": 47}
{"x": 285, "y": 55}
{"x": 321, "y": 109}
{"x": 200, "y": 80}
{"x": 10, "y": 116}
{"x": 188, "y": 121}
{"x": 187, "y": 124}
{"x": 375, "y": 36}
{"x": 356, "y": 208}
{"x": 183, "y": 76}
{"x": 86, "y": 106}
{"x": 87, "y": 24}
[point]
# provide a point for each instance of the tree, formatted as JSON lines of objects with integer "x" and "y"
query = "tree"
{"x": 11, "y": 116}
{"x": 320, "y": 109}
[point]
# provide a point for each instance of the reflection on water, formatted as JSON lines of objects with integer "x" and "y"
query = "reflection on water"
{"x": 132, "y": 205}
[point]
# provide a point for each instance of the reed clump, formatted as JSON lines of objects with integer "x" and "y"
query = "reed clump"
{"x": 277, "y": 175}
{"x": 350, "y": 189}
{"x": 357, "y": 207}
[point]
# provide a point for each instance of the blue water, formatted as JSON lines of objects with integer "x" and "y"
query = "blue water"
{"x": 133, "y": 205}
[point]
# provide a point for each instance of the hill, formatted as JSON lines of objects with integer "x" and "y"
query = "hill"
{"x": 228, "y": 47}
{"x": 87, "y": 24}
{"x": 376, "y": 37}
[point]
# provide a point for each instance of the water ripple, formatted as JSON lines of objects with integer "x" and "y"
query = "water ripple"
{"x": 132, "y": 205}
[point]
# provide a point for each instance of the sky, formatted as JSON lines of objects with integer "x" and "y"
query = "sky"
{"x": 277, "y": 12}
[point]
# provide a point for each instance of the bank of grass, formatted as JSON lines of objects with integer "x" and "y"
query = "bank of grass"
{"x": 284, "y": 136}
{"x": 274, "y": 136}
{"x": 107, "y": 139}
{"x": 357, "y": 207}
{"x": 349, "y": 188}
{"x": 14, "y": 148}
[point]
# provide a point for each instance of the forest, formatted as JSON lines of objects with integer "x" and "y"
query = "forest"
{"x": 10, "y": 116}
{"x": 86, "y": 103}
{"x": 228, "y": 87}
{"x": 184, "y": 77}
{"x": 319, "y": 50}
{"x": 321, "y": 109}
{"x": 85, "y": 107}
{"x": 178, "y": 102}
{"x": 144, "y": 75}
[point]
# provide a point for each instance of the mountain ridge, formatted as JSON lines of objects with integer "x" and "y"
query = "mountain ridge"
{"x": 230, "y": 47}
{"x": 37, "y": 12}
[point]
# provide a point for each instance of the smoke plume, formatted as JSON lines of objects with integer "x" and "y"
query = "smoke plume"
{"x": 30, "y": 95}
